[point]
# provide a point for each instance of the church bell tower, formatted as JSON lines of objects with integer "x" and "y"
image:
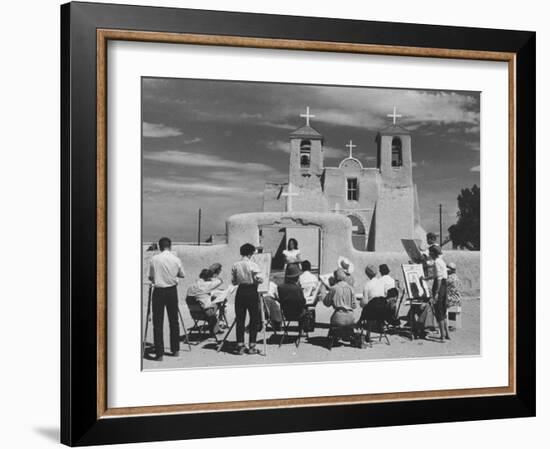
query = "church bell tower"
{"x": 394, "y": 213}
{"x": 306, "y": 167}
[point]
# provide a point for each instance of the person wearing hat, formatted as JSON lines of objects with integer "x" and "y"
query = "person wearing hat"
{"x": 342, "y": 298}
{"x": 439, "y": 291}
{"x": 246, "y": 275}
{"x": 453, "y": 286}
{"x": 291, "y": 296}
{"x": 347, "y": 266}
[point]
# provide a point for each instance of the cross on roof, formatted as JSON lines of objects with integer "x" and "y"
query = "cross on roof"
{"x": 351, "y": 146}
{"x": 394, "y": 115}
{"x": 289, "y": 194}
{"x": 307, "y": 115}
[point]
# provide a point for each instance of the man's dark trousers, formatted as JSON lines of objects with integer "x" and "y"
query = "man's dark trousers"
{"x": 165, "y": 297}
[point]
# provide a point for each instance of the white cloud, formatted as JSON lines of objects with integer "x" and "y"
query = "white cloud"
{"x": 278, "y": 125}
{"x": 418, "y": 108}
{"x": 278, "y": 145}
{"x": 160, "y": 185}
{"x": 191, "y": 141}
{"x": 210, "y": 161}
{"x": 159, "y": 130}
{"x": 476, "y": 168}
{"x": 247, "y": 115}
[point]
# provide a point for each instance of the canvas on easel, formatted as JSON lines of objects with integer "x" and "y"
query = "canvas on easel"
{"x": 415, "y": 283}
{"x": 263, "y": 260}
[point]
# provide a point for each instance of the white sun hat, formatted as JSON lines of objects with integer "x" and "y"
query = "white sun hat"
{"x": 345, "y": 264}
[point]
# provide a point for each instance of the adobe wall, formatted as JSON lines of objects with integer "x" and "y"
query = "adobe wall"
{"x": 394, "y": 217}
{"x": 272, "y": 198}
{"x": 336, "y": 242}
{"x": 335, "y": 186}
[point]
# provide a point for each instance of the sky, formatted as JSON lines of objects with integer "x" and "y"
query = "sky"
{"x": 213, "y": 144}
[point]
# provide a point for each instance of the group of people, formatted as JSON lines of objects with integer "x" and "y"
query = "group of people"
{"x": 296, "y": 297}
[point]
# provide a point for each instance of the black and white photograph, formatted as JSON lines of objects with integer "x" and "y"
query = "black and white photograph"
{"x": 295, "y": 223}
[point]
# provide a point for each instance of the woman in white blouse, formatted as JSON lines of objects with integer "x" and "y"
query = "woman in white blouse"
{"x": 292, "y": 253}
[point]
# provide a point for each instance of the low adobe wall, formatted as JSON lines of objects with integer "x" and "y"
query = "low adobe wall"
{"x": 336, "y": 241}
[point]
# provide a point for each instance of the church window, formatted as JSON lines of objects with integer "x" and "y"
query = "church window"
{"x": 396, "y": 152}
{"x": 353, "y": 189}
{"x": 305, "y": 153}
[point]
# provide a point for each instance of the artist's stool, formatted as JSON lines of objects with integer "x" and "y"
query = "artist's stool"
{"x": 454, "y": 314}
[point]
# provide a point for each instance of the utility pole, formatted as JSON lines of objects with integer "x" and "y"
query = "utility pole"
{"x": 199, "y": 232}
{"x": 440, "y": 227}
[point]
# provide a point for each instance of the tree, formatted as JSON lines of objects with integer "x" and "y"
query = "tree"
{"x": 465, "y": 233}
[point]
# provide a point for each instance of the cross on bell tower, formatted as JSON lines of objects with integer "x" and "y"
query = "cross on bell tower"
{"x": 351, "y": 146}
{"x": 394, "y": 115}
{"x": 307, "y": 115}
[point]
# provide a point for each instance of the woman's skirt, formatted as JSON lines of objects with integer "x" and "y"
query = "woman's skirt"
{"x": 440, "y": 296}
{"x": 342, "y": 318}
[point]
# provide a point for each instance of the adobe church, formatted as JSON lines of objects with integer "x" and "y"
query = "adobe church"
{"x": 380, "y": 201}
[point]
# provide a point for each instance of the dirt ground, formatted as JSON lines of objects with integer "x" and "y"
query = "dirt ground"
{"x": 464, "y": 342}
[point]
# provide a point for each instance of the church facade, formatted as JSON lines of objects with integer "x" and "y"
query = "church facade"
{"x": 380, "y": 201}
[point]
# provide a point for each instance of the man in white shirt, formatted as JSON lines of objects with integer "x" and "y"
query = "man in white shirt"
{"x": 386, "y": 279}
{"x": 164, "y": 270}
{"x": 307, "y": 280}
{"x": 374, "y": 288}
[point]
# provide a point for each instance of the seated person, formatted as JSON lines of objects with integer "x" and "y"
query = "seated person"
{"x": 392, "y": 297}
{"x": 308, "y": 281}
{"x": 374, "y": 287}
{"x": 385, "y": 277}
{"x": 342, "y": 298}
{"x": 454, "y": 297}
{"x": 201, "y": 293}
{"x": 291, "y": 296}
{"x": 347, "y": 266}
{"x": 271, "y": 300}
{"x": 220, "y": 296}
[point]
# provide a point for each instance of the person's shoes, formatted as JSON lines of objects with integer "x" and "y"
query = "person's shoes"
{"x": 241, "y": 350}
{"x": 157, "y": 358}
{"x": 447, "y": 337}
{"x": 175, "y": 353}
{"x": 253, "y": 350}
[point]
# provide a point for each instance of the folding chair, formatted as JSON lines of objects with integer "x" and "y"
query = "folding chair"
{"x": 290, "y": 313}
{"x": 376, "y": 312}
{"x": 200, "y": 320}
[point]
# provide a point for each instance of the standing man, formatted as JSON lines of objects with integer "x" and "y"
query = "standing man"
{"x": 164, "y": 271}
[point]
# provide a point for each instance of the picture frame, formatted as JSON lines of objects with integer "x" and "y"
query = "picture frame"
{"x": 86, "y": 28}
